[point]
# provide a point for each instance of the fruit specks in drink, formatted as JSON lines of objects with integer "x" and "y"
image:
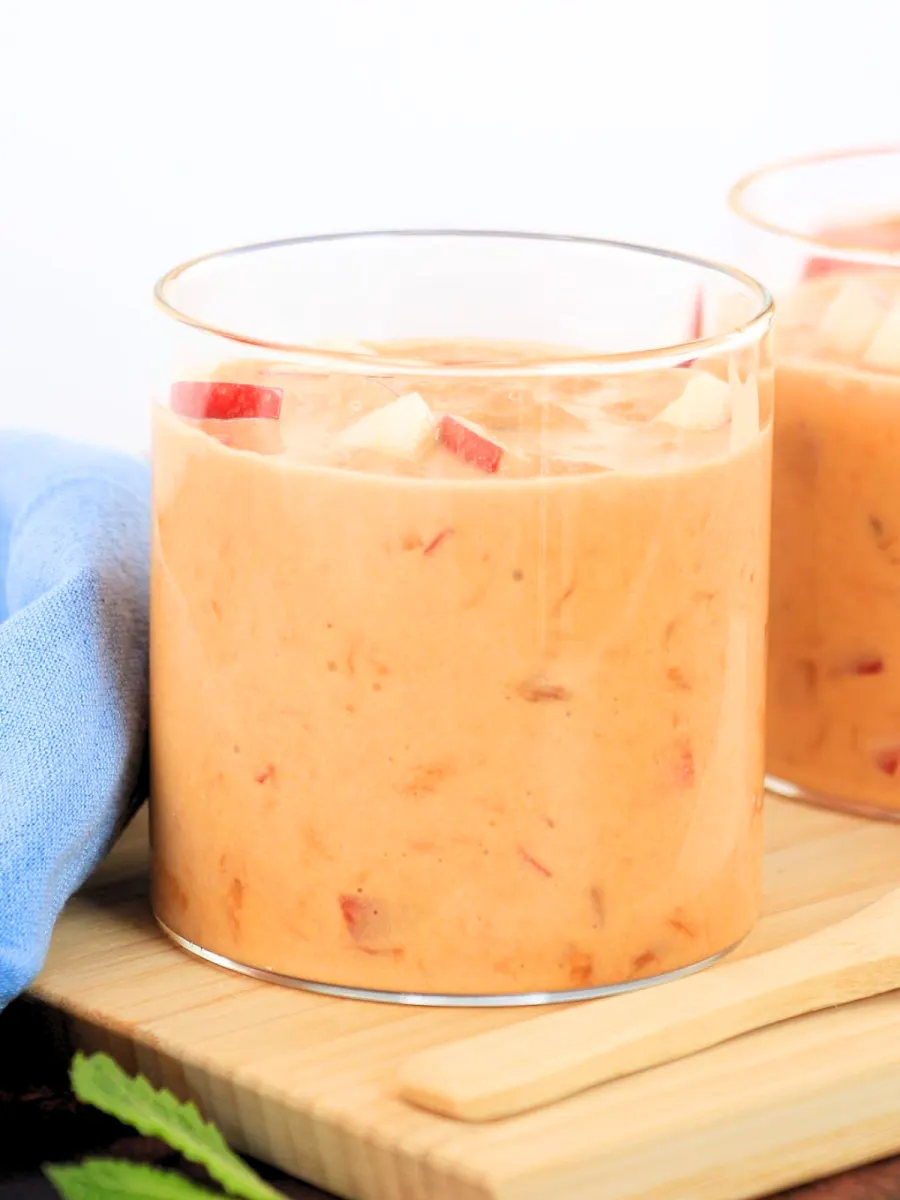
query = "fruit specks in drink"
{"x": 425, "y": 779}
{"x": 534, "y": 863}
{"x": 598, "y": 906}
{"x": 683, "y": 768}
{"x": 884, "y": 538}
{"x": 642, "y": 962}
{"x": 535, "y": 691}
{"x": 678, "y": 680}
{"x": 869, "y": 664}
{"x": 566, "y": 595}
{"x": 808, "y": 670}
{"x": 680, "y": 925}
{"x": 169, "y": 886}
{"x": 579, "y": 968}
{"x": 438, "y": 540}
{"x": 887, "y": 759}
{"x": 367, "y": 923}
{"x": 234, "y": 903}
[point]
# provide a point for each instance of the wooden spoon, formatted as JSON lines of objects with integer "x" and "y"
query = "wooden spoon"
{"x": 559, "y": 1053}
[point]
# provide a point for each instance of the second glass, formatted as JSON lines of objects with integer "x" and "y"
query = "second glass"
{"x": 825, "y": 232}
{"x": 460, "y": 576}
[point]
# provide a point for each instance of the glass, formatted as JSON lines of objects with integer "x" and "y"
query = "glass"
{"x": 825, "y": 233}
{"x": 459, "y": 593}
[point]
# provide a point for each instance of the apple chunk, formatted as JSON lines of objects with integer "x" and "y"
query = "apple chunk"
{"x": 850, "y": 320}
{"x": 470, "y": 442}
{"x": 205, "y": 399}
{"x": 704, "y": 404}
{"x": 401, "y": 428}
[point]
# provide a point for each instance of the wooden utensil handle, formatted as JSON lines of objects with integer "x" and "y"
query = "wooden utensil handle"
{"x": 557, "y": 1054}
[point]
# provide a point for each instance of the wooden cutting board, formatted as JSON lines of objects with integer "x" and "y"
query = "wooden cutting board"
{"x": 306, "y": 1082}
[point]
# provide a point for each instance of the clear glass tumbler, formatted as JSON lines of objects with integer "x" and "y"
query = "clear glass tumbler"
{"x": 459, "y": 597}
{"x": 825, "y": 233}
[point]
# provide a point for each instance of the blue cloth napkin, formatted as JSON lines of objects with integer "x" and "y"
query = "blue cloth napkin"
{"x": 74, "y": 531}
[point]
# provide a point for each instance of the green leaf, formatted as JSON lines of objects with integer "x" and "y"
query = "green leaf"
{"x": 98, "y": 1080}
{"x": 108, "y": 1179}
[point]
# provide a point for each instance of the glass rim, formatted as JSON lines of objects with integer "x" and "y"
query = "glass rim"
{"x": 337, "y": 360}
{"x": 739, "y": 202}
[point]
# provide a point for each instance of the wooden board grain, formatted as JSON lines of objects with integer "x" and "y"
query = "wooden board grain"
{"x": 306, "y": 1081}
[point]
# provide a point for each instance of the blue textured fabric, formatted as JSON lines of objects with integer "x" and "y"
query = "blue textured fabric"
{"x": 74, "y": 529}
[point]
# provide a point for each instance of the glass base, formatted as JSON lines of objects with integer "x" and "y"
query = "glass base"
{"x": 792, "y": 791}
{"x": 513, "y": 1000}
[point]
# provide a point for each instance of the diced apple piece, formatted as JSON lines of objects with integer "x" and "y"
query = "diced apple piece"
{"x": 401, "y": 428}
{"x": 850, "y": 320}
{"x": 704, "y": 404}
{"x": 470, "y": 442}
{"x": 216, "y": 400}
{"x": 883, "y": 351}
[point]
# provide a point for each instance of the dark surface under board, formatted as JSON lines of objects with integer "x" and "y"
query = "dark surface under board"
{"x": 41, "y": 1122}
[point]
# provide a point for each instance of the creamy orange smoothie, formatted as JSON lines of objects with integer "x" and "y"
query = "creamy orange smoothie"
{"x": 834, "y": 669}
{"x": 458, "y": 685}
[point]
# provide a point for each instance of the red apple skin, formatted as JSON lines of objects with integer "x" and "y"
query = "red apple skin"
{"x": 695, "y": 332}
{"x": 887, "y": 759}
{"x": 367, "y": 923}
{"x": 220, "y": 401}
{"x": 695, "y": 329}
{"x": 877, "y": 235}
{"x": 469, "y": 445}
{"x": 871, "y": 665}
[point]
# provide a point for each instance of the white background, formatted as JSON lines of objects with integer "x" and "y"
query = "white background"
{"x": 134, "y": 134}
